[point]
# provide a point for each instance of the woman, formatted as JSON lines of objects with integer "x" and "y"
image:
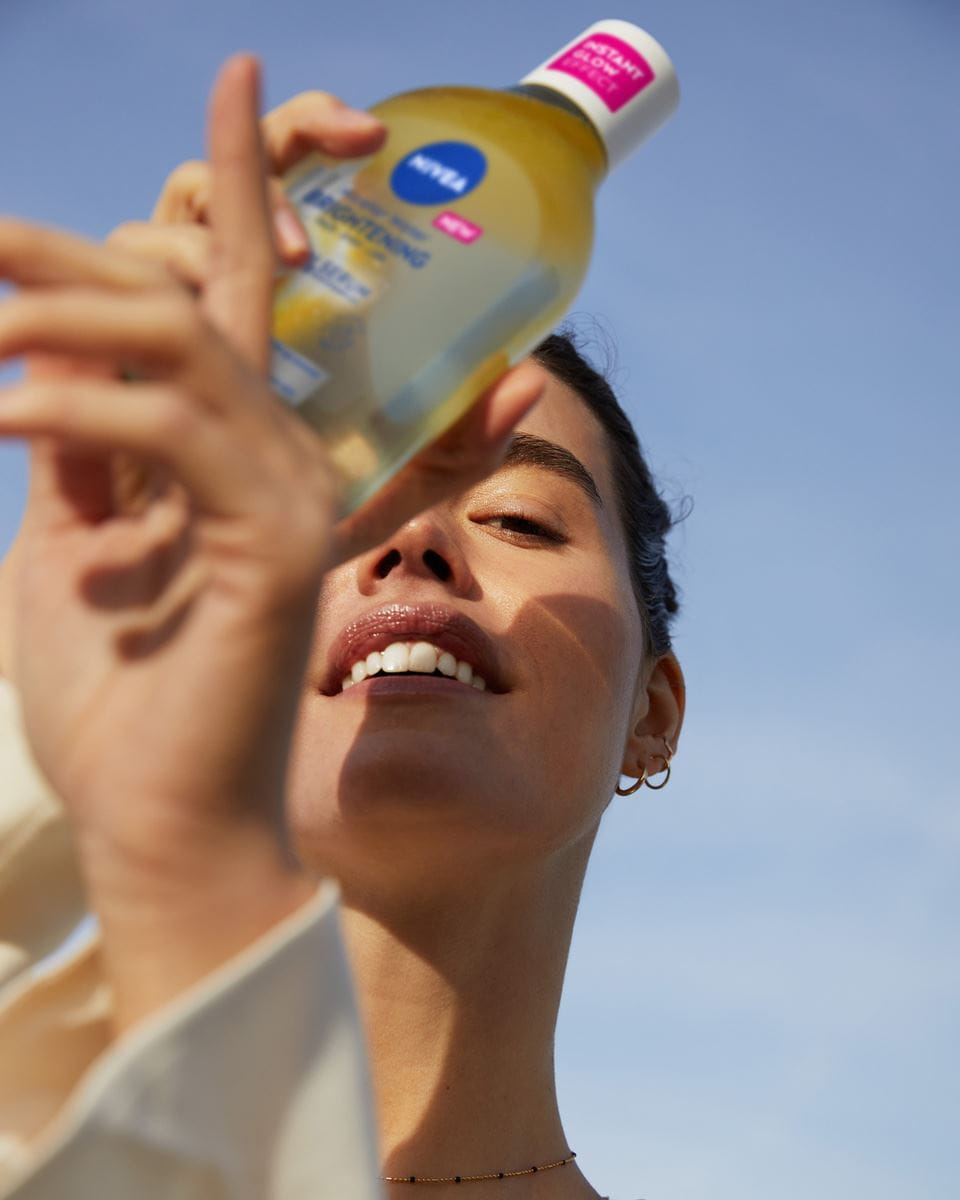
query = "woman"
{"x": 212, "y": 672}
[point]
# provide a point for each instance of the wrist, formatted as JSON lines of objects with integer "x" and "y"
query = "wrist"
{"x": 171, "y": 916}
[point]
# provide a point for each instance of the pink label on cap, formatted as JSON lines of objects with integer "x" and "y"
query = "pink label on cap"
{"x": 608, "y": 66}
{"x": 457, "y": 227}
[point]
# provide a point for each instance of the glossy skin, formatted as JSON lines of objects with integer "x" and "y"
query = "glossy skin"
{"x": 463, "y": 783}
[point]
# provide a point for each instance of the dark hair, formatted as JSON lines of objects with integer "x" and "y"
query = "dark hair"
{"x": 644, "y": 514}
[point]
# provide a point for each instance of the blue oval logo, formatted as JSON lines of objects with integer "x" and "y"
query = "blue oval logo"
{"x": 438, "y": 173}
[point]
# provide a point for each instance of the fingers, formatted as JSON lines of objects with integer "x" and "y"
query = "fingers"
{"x": 239, "y": 293}
{"x": 317, "y": 121}
{"x": 492, "y": 420}
{"x": 153, "y": 421}
{"x": 185, "y": 200}
{"x": 33, "y": 256}
{"x": 468, "y": 452}
{"x": 184, "y": 249}
{"x": 290, "y": 236}
{"x": 308, "y": 123}
{"x": 185, "y": 195}
{"x": 156, "y": 331}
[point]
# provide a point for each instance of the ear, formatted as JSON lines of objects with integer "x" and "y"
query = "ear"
{"x": 657, "y": 719}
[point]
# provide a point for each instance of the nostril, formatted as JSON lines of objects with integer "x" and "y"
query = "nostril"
{"x": 387, "y": 563}
{"x": 437, "y": 564}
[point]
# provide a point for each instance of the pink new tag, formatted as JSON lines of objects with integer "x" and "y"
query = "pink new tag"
{"x": 608, "y": 66}
{"x": 457, "y": 227}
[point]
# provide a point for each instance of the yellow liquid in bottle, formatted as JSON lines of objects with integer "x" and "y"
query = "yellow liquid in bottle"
{"x": 433, "y": 269}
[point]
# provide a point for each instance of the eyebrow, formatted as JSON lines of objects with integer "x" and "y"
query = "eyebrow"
{"x": 528, "y": 450}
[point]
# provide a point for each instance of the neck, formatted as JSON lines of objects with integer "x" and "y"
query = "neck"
{"x": 459, "y": 990}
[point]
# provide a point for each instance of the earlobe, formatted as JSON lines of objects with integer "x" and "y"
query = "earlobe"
{"x": 656, "y": 731}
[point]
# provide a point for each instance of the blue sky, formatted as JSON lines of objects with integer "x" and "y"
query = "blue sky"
{"x": 764, "y": 991}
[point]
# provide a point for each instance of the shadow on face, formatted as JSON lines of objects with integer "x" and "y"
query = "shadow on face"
{"x": 466, "y": 781}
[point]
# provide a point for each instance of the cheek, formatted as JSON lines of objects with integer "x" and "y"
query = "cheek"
{"x": 586, "y": 650}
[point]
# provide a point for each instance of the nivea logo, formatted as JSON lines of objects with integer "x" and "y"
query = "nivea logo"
{"x": 438, "y": 173}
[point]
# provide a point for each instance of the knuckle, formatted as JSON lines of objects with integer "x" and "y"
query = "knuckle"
{"x": 173, "y": 422}
{"x": 174, "y": 419}
{"x": 126, "y": 234}
{"x": 256, "y": 272}
{"x": 11, "y": 231}
{"x": 180, "y": 320}
{"x": 307, "y": 104}
{"x": 187, "y": 175}
{"x": 52, "y": 404}
{"x": 18, "y": 319}
{"x": 185, "y": 191}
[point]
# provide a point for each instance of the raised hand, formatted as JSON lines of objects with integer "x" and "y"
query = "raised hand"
{"x": 159, "y": 651}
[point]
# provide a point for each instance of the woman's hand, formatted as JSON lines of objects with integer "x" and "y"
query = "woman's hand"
{"x": 159, "y": 648}
{"x": 179, "y": 237}
{"x": 164, "y": 590}
{"x": 167, "y": 609}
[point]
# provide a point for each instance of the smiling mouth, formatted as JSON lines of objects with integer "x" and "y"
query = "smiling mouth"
{"x": 433, "y": 641}
{"x": 413, "y": 660}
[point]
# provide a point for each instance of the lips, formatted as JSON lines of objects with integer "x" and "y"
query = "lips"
{"x": 444, "y": 627}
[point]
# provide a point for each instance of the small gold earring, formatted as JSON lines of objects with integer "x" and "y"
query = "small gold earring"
{"x": 634, "y": 786}
{"x": 656, "y": 787}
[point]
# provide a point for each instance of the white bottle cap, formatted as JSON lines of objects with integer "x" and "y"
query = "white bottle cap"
{"x": 620, "y": 77}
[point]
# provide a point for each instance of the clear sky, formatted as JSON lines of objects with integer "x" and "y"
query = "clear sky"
{"x": 764, "y": 991}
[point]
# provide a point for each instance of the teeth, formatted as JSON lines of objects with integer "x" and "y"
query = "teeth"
{"x": 395, "y": 658}
{"x": 421, "y": 657}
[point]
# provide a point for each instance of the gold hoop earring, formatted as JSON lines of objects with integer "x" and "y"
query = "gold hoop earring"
{"x": 656, "y": 787}
{"x": 634, "y": 786}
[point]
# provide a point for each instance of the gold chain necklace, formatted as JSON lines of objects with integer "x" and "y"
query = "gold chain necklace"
{"x": 561, "y": 1162}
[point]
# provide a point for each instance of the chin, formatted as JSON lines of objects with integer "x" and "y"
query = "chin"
{"x": 422, "y": 818}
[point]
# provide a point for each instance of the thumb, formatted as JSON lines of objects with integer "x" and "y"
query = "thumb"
{"x": 467, "y": 452}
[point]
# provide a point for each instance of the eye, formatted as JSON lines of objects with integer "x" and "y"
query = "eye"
{"x": 520, "y": 528}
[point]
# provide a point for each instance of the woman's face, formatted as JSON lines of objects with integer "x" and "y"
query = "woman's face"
{"x": 524, "y": 577}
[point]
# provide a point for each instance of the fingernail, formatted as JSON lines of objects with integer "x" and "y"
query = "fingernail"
{"x": 290, "y": 233}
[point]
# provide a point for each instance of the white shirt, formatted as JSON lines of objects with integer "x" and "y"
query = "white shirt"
{"x": 251, "y": 1085}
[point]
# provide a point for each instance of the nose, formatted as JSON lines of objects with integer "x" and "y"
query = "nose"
{"x": 427, "y": 549}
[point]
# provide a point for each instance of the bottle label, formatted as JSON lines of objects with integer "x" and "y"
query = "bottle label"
{"x": 438, "y": 173}
{"x": 608, "y": 66}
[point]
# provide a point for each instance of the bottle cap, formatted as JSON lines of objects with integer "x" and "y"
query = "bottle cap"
{"x": 620, "y": 77}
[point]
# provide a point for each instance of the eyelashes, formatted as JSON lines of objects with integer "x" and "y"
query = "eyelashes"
{"x": 520, "y": 528}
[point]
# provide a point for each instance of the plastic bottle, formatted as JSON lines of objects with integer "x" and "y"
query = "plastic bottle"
{"x": 444, "y": 258}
